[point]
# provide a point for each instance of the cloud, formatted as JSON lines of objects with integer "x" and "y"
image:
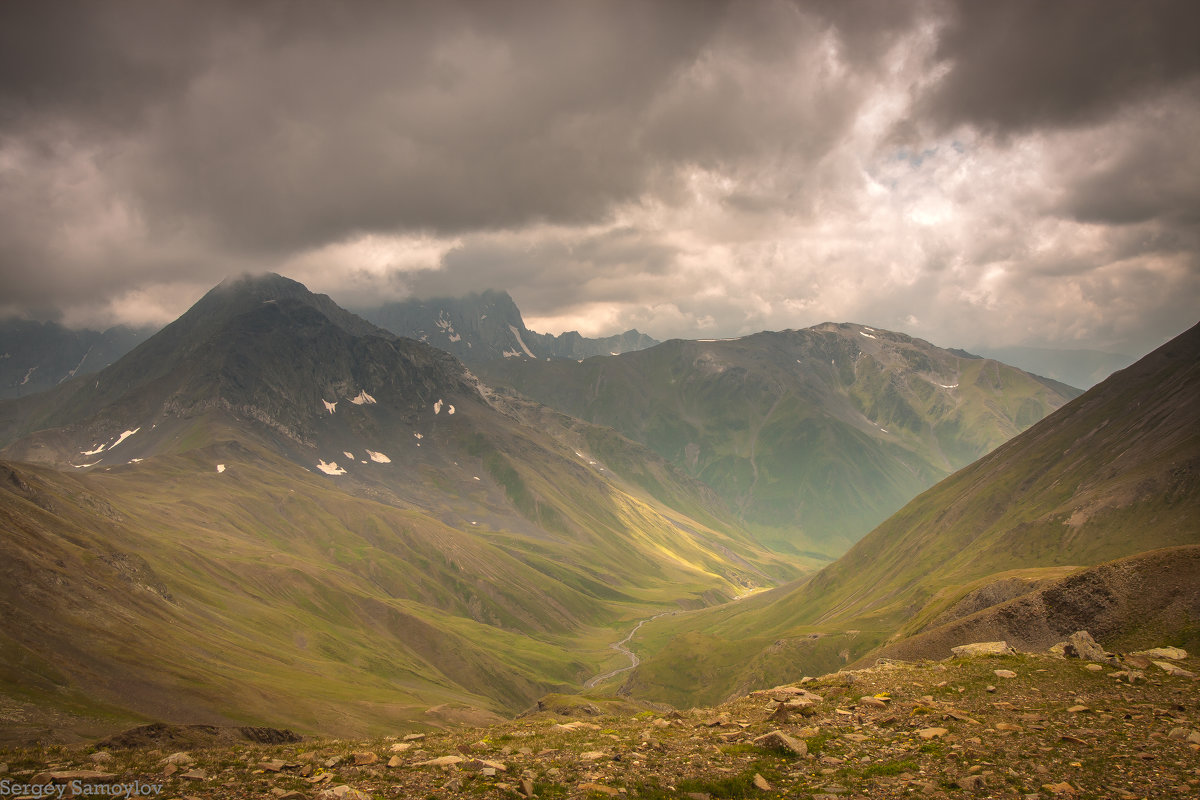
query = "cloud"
{"x": 1010, "y": 172}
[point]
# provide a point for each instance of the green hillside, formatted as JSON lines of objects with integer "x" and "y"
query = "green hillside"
{"x": 1114, "y": 473}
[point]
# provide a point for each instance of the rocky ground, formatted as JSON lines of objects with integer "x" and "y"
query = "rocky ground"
{"x": 1011, "y": 725}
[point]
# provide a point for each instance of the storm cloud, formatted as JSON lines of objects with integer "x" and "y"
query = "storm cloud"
{"x": 1002, "y": 173}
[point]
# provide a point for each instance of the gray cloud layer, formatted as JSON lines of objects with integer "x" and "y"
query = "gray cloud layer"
{"x": 1017, "y": 172}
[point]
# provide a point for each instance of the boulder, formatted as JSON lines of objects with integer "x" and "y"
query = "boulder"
{"x": 1081, "y": 645}
{"x": 982, "y": 649}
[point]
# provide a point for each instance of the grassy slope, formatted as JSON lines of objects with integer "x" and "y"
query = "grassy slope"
{"x": 1114, "y": 473}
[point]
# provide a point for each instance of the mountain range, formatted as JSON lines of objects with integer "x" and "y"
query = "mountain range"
{"x": 272, "y": 508}
{"x": 275, "y": 511}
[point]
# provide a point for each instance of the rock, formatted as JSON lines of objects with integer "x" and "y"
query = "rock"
{"x": 275, "y": 765}
{"x": 1081, "y": 645}
{"x": 361, "y": 759}
{"x": 1078, "y": 709}
{"x": 169, "y": 770}
{"x": 441, "y": 761}
{"x": 872, "y": 702}
{"x": 414, "y": 737}
{"x": 932, "y": 733}
{"x": 1173, "y": 653}
{"x": 482, "y": 764}
{"x": 592, "y": 755}
{"x": 1178, "y": 734}
{"x": 395, "y": 761}
{"x": 982, "y": 649}
{"x": 1172, "y": 670}
{"x": 1129, "y": 675}
{"x": 598, "y": 787}
{"x": 1060, "y": 788}
{"x": 527, "y": 787}
{"x": 181, "y": 758}
{"x": 292, "y": 795}
{"x": 344, "y": 792}
{"x": 194, "y": 775}
{"x": 971, "y": 782}
{"x": 400, "y": 747}
{"x": 1004, "y": 673}
{"x": 102, "y": 757}
{"x": 1093, "y": 667}
{"x": 781, "y": 741}
{"x": 761, "y": 783}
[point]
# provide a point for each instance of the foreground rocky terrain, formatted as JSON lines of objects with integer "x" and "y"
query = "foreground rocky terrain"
{"x": 999, "y": 725}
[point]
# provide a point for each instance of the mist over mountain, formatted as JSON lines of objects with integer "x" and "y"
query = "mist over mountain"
{"x": 1082, "y": 368}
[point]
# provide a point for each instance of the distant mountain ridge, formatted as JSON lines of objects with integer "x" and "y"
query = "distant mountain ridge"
{"x": 814, "y": 436}
{"x": 35, "y": 356}
{"x": 482, "y": 326}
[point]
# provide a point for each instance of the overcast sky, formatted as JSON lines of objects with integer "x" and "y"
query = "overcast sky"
{"x": 999, "y": 173}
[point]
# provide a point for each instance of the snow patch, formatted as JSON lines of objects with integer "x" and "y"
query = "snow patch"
{"x": 25, "y": 380}
{"x": 220, "y": 468}
{"x": 94, "y": 463}
{"x": 454, "y": 337}
{"x": 71, "y": 373}
{"x": 348, "y": 454}
{"x": 363, "y": 398}
{"x": 450, "y": 409}
{"x": 330, "y": 407}
{"x": 476, "y": 477}
{"x": 520, "y": 341}
{"x": 418, "y": 436}
{"x": 869, "y": 336}
{"x": 437, "y": 407}
{"x": 135, "y": 461}
{"x": 331, "y": 468}
{"x": 872, "y": 330}
{"x": 378, "y": 458}
{"x": 510, "y": 353}
{"x": 951, "y": 386}
{"x": 93, "y": 451}
{"x": 124, "y": 436}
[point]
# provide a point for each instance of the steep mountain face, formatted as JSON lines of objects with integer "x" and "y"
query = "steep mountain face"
{"x": 480, "y": 327}
{"x": 35, "y": 356}
{"x": 1114, "y": 473}
{"x": 814, "y": 436}
{"x": 308, "y": 516}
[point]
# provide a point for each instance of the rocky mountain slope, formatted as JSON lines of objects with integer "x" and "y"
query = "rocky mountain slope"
{"x": 1114, "y": 473}
{"x": 814, "y": 436}
{"x": 484, "y": 326}
{"x": 273, "y": 511}
{"x": 1021, "y": 725}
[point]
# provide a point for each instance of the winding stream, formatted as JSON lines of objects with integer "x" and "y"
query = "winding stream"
{"x": 621, "y": 648}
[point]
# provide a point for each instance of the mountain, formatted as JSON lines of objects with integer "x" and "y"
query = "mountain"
{"x": 1114, "y": 473}
{"x": 813, "y": 436}
{"x": 1082, "y": 368}
{"x": 35, "y": 356}
{"x": 274, "y": 512}
{"x": 480, "y": 327}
